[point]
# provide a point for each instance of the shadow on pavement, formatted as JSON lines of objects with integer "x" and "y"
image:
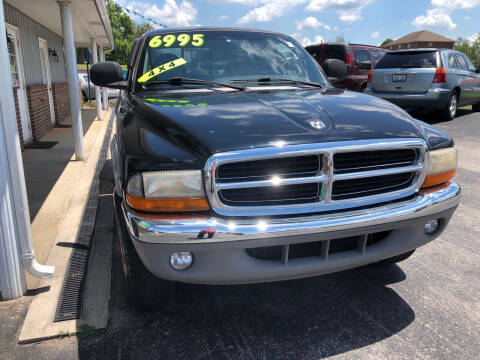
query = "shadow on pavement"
{"x": 44, "y": 167}
{"x": 433, "y": 118}
{"x": 307, "y": 318}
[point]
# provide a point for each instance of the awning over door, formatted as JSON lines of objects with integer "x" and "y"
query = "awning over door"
{"x": 89, "y": 17}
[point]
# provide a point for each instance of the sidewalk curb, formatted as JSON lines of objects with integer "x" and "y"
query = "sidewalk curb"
{"x": 39, "y": 323}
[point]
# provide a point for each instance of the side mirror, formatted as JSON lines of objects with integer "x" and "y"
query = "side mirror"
{"x": 335, "y": 69}
{"x": 108, "y": 74}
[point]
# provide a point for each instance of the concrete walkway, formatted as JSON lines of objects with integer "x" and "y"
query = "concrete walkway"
{"x": 65, "y": 219}
{"x": 49, "y": 186}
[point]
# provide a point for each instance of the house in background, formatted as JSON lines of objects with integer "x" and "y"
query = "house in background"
{"x": 37, "y": 60}
{"x": 420, "y": 39}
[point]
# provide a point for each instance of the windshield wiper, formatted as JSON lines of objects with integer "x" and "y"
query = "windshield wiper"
{"x": 272, "y": 80}
{"x": 178, "y": 81}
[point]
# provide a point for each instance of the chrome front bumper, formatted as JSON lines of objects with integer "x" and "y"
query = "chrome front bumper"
{"x": 219, "y": 244}
{"x": 214, "y": 229}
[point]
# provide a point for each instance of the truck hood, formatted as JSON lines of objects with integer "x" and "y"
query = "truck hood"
{"x": 220, "y": 121}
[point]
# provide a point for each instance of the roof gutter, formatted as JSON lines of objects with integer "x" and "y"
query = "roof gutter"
{"x": 102, "y": 10}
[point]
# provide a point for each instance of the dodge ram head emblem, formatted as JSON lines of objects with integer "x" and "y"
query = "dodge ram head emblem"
{"x": 316, "y": 124}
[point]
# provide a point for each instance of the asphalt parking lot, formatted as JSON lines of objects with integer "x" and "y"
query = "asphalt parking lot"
{"x": 427, "y": 307}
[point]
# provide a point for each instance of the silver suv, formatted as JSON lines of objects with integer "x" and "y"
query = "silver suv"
{"x": 436, "y": 79}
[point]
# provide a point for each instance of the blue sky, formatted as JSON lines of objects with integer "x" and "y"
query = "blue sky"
{"x": 359, "y": 21}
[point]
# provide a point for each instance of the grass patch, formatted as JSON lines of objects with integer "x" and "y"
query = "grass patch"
{"x": 85, "y": 331}
{"x": 64, "y": 334}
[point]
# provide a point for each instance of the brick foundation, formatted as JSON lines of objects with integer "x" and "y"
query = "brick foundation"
{"x": 61, "y": 101}
{"x": 19, "y": 120}
{"x": 39, "y": 109}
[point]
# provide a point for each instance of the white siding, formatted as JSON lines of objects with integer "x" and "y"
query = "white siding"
{"x": 29, "y": 31}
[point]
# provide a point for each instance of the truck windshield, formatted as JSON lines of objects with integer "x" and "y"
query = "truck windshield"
{"x": 222, "y": 56}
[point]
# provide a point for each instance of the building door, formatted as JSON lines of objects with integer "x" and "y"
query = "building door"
{"x": 18, "y": 79}
{"x": 47, "y": 80}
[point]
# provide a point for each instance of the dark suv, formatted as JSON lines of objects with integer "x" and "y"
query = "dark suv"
{"x": 359, "y": 59}
{"x": 236, "y": 162}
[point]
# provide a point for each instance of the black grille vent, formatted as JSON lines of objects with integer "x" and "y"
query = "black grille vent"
{"x": 319, "y": 249}
{"x": 298, "y": 166}
{"x": 348, "y": 189}
{"x": 371, "y": 160}
{"x": 271, "y": 195}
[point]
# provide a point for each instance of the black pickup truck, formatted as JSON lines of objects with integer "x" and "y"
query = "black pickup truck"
{"x": 236, "y": 161}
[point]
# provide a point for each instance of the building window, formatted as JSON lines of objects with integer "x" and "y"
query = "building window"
{"x": 399, "y": 46}
{"x": 409, "y": 45}
{"x": 430, "y": 44}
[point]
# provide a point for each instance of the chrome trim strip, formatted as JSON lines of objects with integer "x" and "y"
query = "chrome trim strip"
{"x": 379, "y": 172}
{"x": 327, "y": 151}
{"x": 272, "y": 182}
{"x": 188, "y": 231}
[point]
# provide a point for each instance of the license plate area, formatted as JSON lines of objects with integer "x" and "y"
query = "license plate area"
{"x": 399, "y": 77}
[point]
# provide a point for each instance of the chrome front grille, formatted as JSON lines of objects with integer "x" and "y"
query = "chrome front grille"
{"x": 264, "y": 169}
{"x": 314, "y": 177}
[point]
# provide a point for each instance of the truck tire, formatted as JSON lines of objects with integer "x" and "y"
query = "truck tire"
{"x": 476, "y": 107}
{"x": 450, "y": 111}
{"x": 396, "y": 259}
{"x": 145, "y": 291}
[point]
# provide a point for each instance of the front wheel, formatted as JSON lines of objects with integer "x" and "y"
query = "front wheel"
{"x": 450, "y": 111}
{"x": 145, "y": 291}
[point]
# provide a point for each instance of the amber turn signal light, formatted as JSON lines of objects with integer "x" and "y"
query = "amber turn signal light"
{"x": 432, "y": 180}
{"x": 167, "y": 205}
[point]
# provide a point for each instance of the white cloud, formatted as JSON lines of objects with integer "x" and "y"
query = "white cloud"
{"x": 311, "y": 22}
{"x": 173, "y": 13}
{"x": 270, "y": 10}
{"x": 348, "y": 10}
{"x": 266, "y": 10}
{"x": 435, "y": 18}
{"x": 305, "y": 41}
{"x": 473, "y": 37}
{"x": 223, "y": 17}
{"x": 439, "y": 15}
{"x": 455, "y": 4}
{"x": 375, "y": 35}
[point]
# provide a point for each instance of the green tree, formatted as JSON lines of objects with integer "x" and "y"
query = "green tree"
{"x": 386, "y": 41}
{"x": 142, "y": 28}
{"x": 123, "y": 33}
{"x": 471, "y": 49}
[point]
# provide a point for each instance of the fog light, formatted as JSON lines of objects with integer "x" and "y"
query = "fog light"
{"x": 431, "y": 226}
{"x": 181, "y": 260}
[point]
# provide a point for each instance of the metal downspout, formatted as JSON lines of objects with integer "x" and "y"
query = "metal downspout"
{"x": 16, "y": 241}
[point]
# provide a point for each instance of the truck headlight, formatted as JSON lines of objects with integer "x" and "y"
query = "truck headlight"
{"x": 442, "y": 165}
{"x": 167, "y": 191}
